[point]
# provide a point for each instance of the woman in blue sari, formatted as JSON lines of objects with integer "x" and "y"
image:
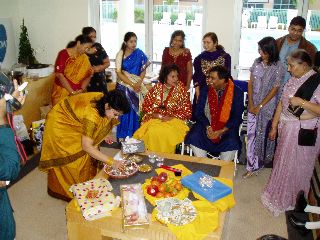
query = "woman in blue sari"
{"x": 131, "y": 64}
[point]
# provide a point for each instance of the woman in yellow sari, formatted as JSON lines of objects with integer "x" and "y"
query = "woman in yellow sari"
{"x": 74, "y": 129}
{"x": 166, "y": 107}
{"x": 73, "y": 69}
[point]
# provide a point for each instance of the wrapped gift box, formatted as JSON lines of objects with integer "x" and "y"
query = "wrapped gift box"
{"x": 134, "y": 207}
{"x": 95, "y": 198}
{"x": 132, "y": 145}
{"x": 206, "y": 186}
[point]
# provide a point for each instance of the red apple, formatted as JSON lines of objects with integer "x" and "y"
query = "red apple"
{"x": 163, "y": 176}
{"x": 155, "y": 178}
{"x": 152, "y": 190}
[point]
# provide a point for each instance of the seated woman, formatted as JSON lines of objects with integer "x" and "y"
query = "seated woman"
{"x": 74, "y": 129}
{"x": 218, "y": 115}
{"x": 166, "y": 107}
{"x": 73, "y": 69}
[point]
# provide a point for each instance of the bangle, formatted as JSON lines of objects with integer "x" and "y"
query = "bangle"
{"x": 208, "y": 127}
{"x": 304, "y": 101}
{"x": 73, "y": 93}
{"x": 260, "y": 106}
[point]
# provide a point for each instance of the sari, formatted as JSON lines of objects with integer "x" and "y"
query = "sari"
{"x": 74, "y": 69}
{"x": 9, "y": 170}
{"x": 62, "y": 155}
{"x": 260, "y": 149}
{"x": 132, "y": 66}
{"x": 163, "y": 136}
{"x": 293, "y": 164}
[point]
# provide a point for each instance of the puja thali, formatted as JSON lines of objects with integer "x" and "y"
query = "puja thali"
{"x": 175, "y": 211}
{"x": 129, "y": 169}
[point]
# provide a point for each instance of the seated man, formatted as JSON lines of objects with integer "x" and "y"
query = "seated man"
{"x": 218, "y": 115}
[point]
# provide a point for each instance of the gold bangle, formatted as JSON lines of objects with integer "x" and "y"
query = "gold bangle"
{"x": 304, "y": 101}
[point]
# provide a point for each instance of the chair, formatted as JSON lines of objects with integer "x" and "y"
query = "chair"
{"x": 165, "y": 18}
{"x": 197, "y": 19}
{"x": 273, "y": 22}
{"x": 245, "y": 19}
{"x": 262, "y": 22}
{"x": 181, "y": 20}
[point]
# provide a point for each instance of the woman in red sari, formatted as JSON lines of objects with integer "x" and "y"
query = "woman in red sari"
{"x": 73, "y": 69}
{"x": 166, "y": 107}
{"x": 178, "y": 54}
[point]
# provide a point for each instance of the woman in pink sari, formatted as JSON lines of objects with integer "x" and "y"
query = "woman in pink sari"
{"x": 299, "y": 107}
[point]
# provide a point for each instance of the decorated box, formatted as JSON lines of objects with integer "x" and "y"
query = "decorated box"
{"x": 132, "y": 145}
{"x": 95, "y": 198}
{"x": 134, "y": 209}
{"x": 206, "y": 186}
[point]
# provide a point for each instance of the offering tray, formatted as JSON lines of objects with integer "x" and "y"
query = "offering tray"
{"x": 130, "y": 168}
{"x": 175, "y": 211}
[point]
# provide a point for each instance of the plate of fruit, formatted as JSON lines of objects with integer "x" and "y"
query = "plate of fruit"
{"x": 129, "y": 168}
{"x": 163, "y": 186}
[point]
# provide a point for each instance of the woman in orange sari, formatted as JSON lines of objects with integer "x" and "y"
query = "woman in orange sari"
{"x": 74, "y": 129}
{"x": 73, "y": 69}
{"x": 166, "y": 107}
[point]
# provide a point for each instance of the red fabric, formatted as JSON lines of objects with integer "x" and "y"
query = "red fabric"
{"x": 181, "y": 61}
{"x": 220, "y": 111}
{"x": 60, "y": 65}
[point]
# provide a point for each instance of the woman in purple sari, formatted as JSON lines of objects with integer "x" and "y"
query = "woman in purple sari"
{"x": 213, "y": 55}
{"x": 299, "y": 107}
{"x": 131, "y": 65}
{"x": 266, "y": 74}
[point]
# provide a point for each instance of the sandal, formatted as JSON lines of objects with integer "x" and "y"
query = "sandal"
{"x": 248, "y": 174}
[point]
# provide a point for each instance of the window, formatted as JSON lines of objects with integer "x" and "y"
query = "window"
{"x": 158, "y": 17}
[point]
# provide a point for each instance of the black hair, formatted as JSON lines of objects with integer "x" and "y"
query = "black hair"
{"x": 178, "y": 33}
{"x": 87, "y": 30}
{"x": 116, "y": 100}
{"x": 214, "y": 38}
{"x": 81, "y": 38}
{"x": 166, "y": 70}
{"x": 298, "y": 21}
{"x": 222, "y": 72}
{"x": 301, "y": 56}
{"x": 269, "y": 45}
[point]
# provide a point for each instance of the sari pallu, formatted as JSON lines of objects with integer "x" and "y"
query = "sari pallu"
{"x": 62, "y": 155}
{"x": 75, "y": 70}
{"x": 132, "y": 66}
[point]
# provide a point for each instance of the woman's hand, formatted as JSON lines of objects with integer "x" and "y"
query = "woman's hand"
{"x": 137, "y": 87}
{"x": 296, "y": 101}
{"x": 117, "y": 164}
{"x": 273, "y": 133}
{"x": 17, "y": 94}
{"x": 109, "y": 140}
{"x": 197, "y": 92}
{"x": 166, "y": 118}
{"x": 254, "y": 110}
{"x": 3, "y": 184}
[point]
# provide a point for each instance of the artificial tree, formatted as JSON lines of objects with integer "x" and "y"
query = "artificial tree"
{"x": 26, "y": 52}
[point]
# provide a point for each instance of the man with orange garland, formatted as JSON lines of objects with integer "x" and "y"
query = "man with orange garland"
{"x": 218, "y": 115}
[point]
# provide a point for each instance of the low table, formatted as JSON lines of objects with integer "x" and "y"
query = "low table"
{"x": 111, "y": 227}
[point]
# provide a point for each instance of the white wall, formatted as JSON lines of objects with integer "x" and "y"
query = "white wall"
{"x": 51, "y": 23}
{"x": 222, "y": 17}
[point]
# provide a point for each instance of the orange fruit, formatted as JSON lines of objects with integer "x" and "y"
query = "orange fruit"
{"x": 159, "y": 195}
{"x": 178, "y": 186}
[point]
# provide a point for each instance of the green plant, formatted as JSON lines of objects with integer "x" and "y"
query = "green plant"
{"x": 189, "y": 16}
{"x": 26, "y": 52}
{"x": 174, "y": 17}
{"x": 157, "y": 16}
{"x": 114, "y": 15}
{"x": 138, "y": 15}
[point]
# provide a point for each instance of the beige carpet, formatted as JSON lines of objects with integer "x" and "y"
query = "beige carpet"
{"x": 40, "y": 217}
